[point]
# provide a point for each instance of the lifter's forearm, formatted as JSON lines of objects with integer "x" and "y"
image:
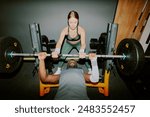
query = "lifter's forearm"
{"x": 95, "y": 72}
{"x": 42, "y": 70}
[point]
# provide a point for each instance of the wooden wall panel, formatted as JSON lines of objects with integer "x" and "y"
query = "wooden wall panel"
{"x": 127, "y": 16}
{"x": 142, "y": 21}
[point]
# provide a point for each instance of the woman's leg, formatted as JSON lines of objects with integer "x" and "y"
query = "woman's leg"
{"x": 65, "y": 50}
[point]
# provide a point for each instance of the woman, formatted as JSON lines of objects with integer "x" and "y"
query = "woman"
{"x": 71, "y": 37}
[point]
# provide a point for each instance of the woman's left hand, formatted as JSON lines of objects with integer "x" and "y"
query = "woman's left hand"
{"x": 82, "y": 55}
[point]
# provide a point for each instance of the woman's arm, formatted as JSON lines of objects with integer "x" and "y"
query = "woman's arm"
{"x": 83, "y": 40}
{"x": 61, "y": 38}
{"x": 59, "y": 44}
{"x": 82, "y": 53}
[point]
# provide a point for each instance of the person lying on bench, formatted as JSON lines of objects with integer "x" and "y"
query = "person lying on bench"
{"x": 72, "y": 81}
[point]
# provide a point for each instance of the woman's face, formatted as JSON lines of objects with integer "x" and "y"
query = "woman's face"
{"x": 73, "y": 22}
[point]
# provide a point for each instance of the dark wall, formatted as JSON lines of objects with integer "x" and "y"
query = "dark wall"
{"x": 51, "y": 15}
{"x": 15, "y": 17}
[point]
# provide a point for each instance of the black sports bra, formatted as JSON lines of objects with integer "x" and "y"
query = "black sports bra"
{"x": 72, "y": 39}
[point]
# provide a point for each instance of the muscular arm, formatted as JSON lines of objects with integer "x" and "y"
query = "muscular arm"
{"x": 94, "y": 76}
{"x": 87, "y": 77}
{"x": 44, "y": 77}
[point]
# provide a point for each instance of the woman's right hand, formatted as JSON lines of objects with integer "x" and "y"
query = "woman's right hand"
{"x": 54, "y": 54}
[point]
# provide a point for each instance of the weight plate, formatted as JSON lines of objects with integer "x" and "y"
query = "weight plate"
{"x": 9, "y": 64}
{"x": 134, "y": 62}
{"x": 94, "y": 43}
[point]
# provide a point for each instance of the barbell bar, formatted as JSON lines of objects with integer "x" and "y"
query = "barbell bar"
{"x": 147, "y": 57}
{"x": 12, "y": 54}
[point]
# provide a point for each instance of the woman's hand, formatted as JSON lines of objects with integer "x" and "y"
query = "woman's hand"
{"x": 54, "y": 54}
{"x": 82, "y": 55}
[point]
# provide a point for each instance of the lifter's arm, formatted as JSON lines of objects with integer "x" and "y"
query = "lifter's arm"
{"x": 94, "y": 76}
{"x": 44, "y": 77}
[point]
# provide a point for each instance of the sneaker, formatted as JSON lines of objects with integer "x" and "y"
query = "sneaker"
{"x": 58, "y": 71}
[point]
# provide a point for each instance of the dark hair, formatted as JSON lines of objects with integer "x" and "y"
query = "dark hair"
{"x": 68, "y": 65}
{"x": 73, "y": 14}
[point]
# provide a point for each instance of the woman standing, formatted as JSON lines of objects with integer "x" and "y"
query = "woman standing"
{"x": 71, "y": 37}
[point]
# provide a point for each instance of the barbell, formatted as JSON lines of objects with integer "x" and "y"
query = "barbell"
{"x": 12, "y": 54}
{"x": 129, "y": 57}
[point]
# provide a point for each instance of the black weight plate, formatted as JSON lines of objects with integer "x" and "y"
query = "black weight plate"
{"x": 9, "y": 64}
{"x": 103, "y": 38}
{"x": 103, "y": 42}
{"x": 94, "y": 43}
{"x": 134, "y": 62}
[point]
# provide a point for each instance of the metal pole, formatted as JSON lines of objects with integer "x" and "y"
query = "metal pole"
{"x": 147, "y": 57}
{"x": 64, "y": 55}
